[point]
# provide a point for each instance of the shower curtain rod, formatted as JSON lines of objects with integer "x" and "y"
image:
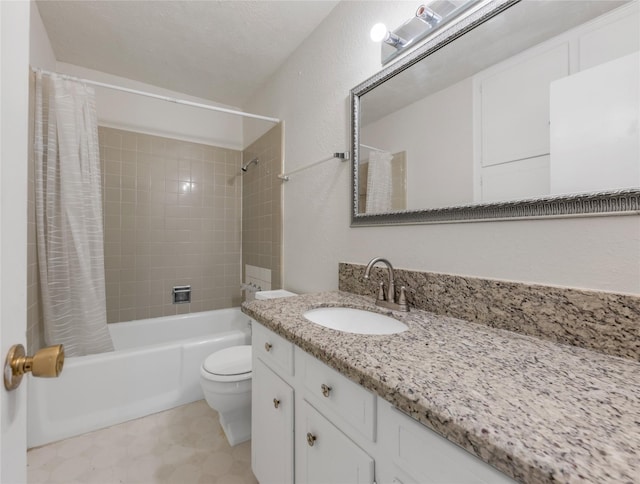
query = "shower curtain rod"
{"x": 371, "y": 147}
{"x": 344, "y": 156}
{"x": 158, "y": 96}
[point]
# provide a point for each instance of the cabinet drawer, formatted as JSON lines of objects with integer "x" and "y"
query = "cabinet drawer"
{"x": 343, "y": 401}
{"x": 274, "y": 350}
{"x": 424, "y": 456}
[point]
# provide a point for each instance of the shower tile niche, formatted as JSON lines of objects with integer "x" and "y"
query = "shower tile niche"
{"x": 172, "y": 217}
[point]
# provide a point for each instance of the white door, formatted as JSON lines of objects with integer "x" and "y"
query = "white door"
{"x": 14, "y": 105}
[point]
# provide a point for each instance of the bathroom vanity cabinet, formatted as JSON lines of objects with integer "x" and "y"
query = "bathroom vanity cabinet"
{"x": 272, "y": 405}
{"x": 310, "y": 424}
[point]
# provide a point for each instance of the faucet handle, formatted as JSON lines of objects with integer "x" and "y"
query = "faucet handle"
{"x": 381, "y": 291}
{"x": 402, "y": 299}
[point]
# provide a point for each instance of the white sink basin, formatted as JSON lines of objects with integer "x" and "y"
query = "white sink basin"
{"x": 356, "y": 321}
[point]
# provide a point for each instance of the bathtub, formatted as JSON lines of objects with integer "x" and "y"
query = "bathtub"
{"x": 155, "y": 367}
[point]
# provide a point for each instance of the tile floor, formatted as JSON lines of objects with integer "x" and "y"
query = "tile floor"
{"x": 183, "y": 445}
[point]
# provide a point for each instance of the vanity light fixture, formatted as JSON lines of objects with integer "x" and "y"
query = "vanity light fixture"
{"x": 427, "y": 15}
{"x": 427, "y": 19}
{"x": 379, "y": 33}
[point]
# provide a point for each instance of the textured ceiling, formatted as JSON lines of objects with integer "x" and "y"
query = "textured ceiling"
{"x": 218, "y": 50}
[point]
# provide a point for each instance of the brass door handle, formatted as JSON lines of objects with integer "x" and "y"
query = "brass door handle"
{"x": 326, "y": 389}
{"x": 276, "y": 402}
{"x": 47, "y": 363}
{"x": 311, "y": 439}
{"x": 268, "y": 346}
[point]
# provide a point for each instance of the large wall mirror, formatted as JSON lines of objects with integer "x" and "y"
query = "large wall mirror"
{"x": 522, "y": 109}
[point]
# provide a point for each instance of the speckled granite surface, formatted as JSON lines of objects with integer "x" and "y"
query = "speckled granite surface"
{"x": 600, "y": 321}
{"x": 537, "y": 410}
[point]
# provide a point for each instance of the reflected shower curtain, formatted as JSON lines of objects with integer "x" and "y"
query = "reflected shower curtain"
{"x": 69, "y": 216}
{"x": 379, "y": 182}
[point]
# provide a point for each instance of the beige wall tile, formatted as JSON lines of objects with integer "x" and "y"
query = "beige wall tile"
{"x": 157, "y": 222}
{"x": 129, "y": 141}
{"x": 261, "y": 207}
{"x": 155, "y": 240}
{"x": 127, "y": 315}
{"x": 156, "y": 311}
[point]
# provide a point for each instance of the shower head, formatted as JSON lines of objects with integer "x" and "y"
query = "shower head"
{"x": 246, "y": 166}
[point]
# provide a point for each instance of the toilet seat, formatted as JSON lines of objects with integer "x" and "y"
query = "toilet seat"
{"x": 229, "y": 364}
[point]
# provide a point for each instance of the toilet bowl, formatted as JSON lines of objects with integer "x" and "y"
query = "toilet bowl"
{"x": 225, "y": 377}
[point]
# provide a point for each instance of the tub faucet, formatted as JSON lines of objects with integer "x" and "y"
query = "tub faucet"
{"x": 388, "y": 301}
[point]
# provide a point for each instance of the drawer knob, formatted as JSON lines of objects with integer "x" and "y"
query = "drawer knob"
{"x": 268, "y": 346}
{"x": 276, "y": 402}
{"x": 326, "y": 390}
{"x": 311, "y": 439}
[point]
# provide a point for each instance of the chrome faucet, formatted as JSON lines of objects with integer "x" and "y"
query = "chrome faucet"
{"x": 389, "y": 300}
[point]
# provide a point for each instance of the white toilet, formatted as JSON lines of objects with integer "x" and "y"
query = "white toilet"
{"x": 225, "y": 377}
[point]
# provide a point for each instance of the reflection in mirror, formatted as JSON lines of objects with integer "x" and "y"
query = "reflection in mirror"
{"x": 383, "y": 176}
{"x": 540, "y": 100}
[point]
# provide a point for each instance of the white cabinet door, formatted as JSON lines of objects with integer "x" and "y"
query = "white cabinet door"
{"x": 271, "y": 426}
{"x": 329, "y": 455}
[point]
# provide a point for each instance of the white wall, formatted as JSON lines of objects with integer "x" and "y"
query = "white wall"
{"x": 133, "y": 112}
{"x": 123, "y": 110}
{"x": 40, "y": 51}
{"x": 439, "y": 148}
{"x": 311, "y": 93}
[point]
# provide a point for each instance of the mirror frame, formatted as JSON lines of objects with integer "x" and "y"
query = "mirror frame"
{"x": 615, "y": 202}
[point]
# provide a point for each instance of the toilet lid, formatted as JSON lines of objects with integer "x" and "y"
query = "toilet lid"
{"x": 235, "y": 360}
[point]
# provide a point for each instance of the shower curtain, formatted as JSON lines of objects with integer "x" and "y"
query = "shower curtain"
{"x": 69, "y": 216}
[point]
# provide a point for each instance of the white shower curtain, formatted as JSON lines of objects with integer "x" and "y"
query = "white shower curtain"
{"x": 379, "y": 182}
{"x": 69, "y": 216}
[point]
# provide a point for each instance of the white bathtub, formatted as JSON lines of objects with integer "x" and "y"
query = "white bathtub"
{"x": 155, "y": 367}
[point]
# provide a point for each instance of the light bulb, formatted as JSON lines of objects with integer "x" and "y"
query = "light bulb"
{"x": 427, "y": 15}
{"x": 378, "y": 32}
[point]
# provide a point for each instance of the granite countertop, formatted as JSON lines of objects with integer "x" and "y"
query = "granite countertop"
{"x": 536, "y": 410}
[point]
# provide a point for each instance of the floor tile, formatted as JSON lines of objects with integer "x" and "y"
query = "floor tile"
{"x": 180, "y": 446}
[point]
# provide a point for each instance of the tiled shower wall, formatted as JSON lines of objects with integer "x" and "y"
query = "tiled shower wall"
{"x": 171, "y": 217}
{"x": 262, "y": 206}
